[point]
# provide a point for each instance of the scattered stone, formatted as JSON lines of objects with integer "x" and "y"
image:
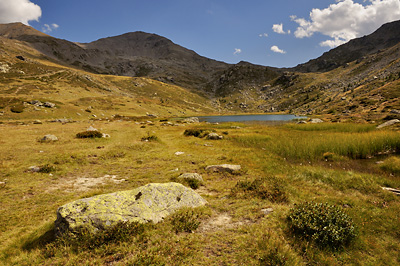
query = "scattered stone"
{"x": 20, "y": 57}
{"x": 388, "y": 123}
{"x": 179, "y": 153}
{"x": 395, "y": 191}
{"x": 37, "y": 122}
{"x": 151, "y": 115}
{"x": 106, "y": 135}
{"x": 91, "y": 129}
{"x": 49, "y": 138}
{"x": 149, "y": 203}
{"x": 230, "y": 168}
{"x": 4, "y": 68}
{"x": 34, "y": 169}
{"x": 214, "y": 136}
{"x": 380, "y": 162}
{"x": 191, "y": 120}
{"x": 267, "y": 211}
{"x": 395, "y": 112}
{"x": 49, "y": 105}
{"x": 316, "y": 121}
{"x": 191, "y": 176}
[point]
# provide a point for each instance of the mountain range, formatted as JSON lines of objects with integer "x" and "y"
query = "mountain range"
{"x": 360, "y": 76}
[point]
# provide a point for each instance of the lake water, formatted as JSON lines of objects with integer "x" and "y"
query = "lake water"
{"x": 247, "y": 118}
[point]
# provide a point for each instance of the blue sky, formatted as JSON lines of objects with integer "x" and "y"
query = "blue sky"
{"x": 280, "y": 33}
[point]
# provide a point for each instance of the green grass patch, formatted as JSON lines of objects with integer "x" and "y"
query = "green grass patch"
{"x": 325, "y": 224}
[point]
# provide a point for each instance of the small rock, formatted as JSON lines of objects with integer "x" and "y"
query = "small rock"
{"x": 179, "y": 153}
{"x": 106, "y": 135}
{"x": 316, "y": 121}
{"x": 91, "y": 129}
{"x": 191, "y": 120}
{"x": 379, "y": 162}
{"x": 267, "y": 211}
{"x": 230, "y": 168}
{"x": 34, "y": 169}
{"x": 191, "y": 176}
{"x": 37, "y": 122}
{"x": 395, "y": 112}
{"x": 49, "y": 138}
{"x": 214, "y": 136}
{"x": 49, "y": 105}
{"x": 388, "y": 123}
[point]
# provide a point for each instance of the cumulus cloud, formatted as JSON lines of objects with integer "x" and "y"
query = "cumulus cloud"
{"x": 19, "y": 11}
{"x": 237, "y": 51}
{"x": 346, "y": 20}
{"x": 263, "y": 35}
{"x": 278, "y": 28}
{"x": 49, "y": 28}
{"x": 276, "y": 49}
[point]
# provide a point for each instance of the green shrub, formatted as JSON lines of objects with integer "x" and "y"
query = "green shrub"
{"x": 198, "y": 133}
{"x": 391, "y": 165}
{"x": 323, "y": 223}
{"x": 185, "y": 220}
{"x": 82, "y": 239}
{"x": 17, "y": 108}
{"x": 193, "y": 183}
{"x": 47, "y": 168}
{"x": 89, "y": 134}
{"x": 150, "y": 138}
{"x": 271, "y": 188}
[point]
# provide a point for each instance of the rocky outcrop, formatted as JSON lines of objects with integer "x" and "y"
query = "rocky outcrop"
{"x": 193, "y": 176}
{"x": 388, "y": 123}
{"x": 149, "y": 203}
{"x": 230, "y": 168}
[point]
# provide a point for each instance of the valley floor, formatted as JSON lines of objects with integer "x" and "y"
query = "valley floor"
{"x": 345, "y": 165}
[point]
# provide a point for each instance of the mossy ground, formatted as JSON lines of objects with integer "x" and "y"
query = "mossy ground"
{"x": 232, "y": 230}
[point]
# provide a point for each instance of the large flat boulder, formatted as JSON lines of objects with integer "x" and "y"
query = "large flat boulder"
{"x": 149, "y": 203}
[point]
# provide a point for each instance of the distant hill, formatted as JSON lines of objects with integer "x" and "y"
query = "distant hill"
{"x": 385, "y": 37}
{"x": 135, "y": 54}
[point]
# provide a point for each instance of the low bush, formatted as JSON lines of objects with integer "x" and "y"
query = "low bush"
{"x": 47, "y": 168}
{"x": 325, "y": 224}
{"x": 17, "y": 108}
{"x": 198, "y": 133}
{"x": 185, "y": 220}
{"x": 271, "y": 188}
{"x": 89, "y": 134}
{"x": 150, "y": 138}
{"x": 82, "y": 239}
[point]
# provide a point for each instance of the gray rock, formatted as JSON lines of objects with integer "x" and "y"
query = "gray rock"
{"x": 316, "y": 121}
{"x": 37, "y": 122}
{"x": 214, "y": 136}
{"x": 91, "y": 129}
{"x": 49, "y": 138}
{"x": 389, "y": 123}
{"x": 149, "y": 203}
{"x": 267, "y": 211}
{"x": 34, "y": 169}
{"x": 191, "y": 120}
{"x": 191, "y": 176}
{"x": 395, "y": 112}
{"x": 230, "y": 168}
{"x": 49, "y": 105}
{"x": 106, "y": 135}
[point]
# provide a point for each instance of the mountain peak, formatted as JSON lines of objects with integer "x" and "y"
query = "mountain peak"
{"x": 18, "y": 29}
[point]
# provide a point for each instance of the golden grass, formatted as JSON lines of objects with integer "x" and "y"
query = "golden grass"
{"x": 234, "y": 231}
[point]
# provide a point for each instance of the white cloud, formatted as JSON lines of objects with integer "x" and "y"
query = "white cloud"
{"x": 19, "y": 11}
{"x": 49, "y": 28}
{"x": 276, "y": 49}
{"x": 278, "y": 28}
{"x": 237, "y": 51}
{"x": 263, "y": 35}
{"x": 347, "y": 20}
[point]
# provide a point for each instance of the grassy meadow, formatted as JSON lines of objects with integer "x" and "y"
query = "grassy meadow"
{"x": 325, "y": 163}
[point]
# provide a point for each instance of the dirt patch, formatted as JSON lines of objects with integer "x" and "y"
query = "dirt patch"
{"x": 220, "y": 222}
{"x": 83, "y": 184}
